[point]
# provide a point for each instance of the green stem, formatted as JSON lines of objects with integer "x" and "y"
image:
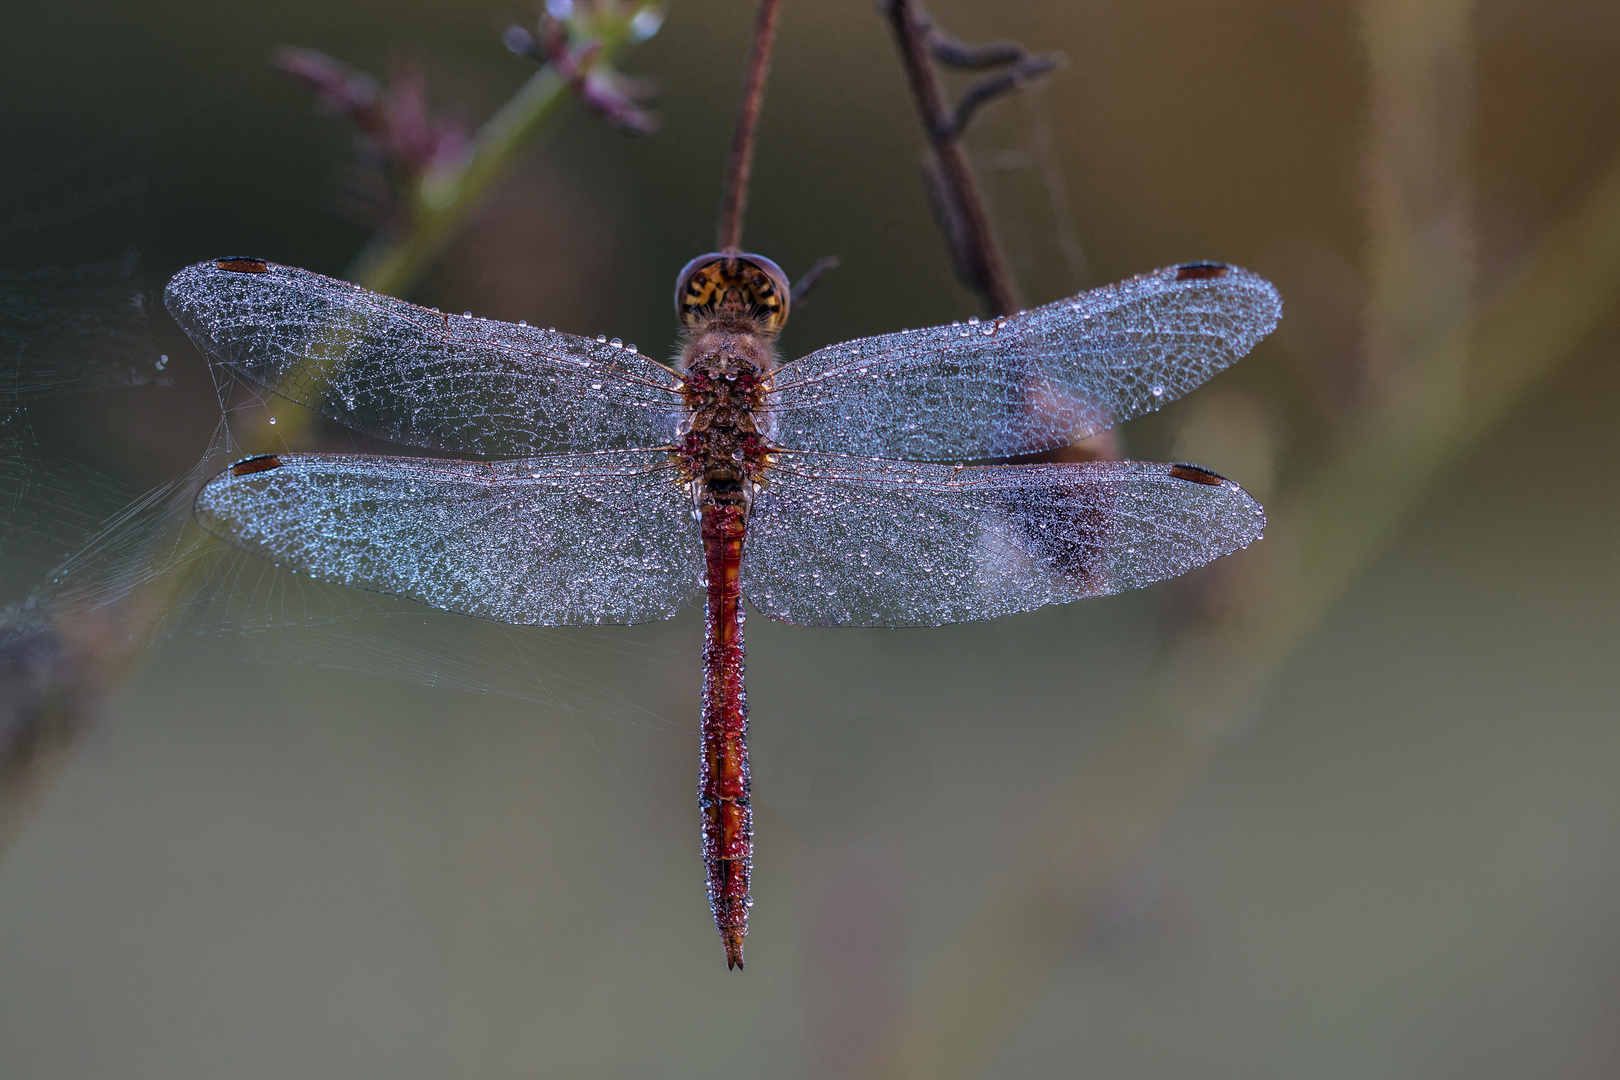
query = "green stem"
{"x": 395, "y": 260}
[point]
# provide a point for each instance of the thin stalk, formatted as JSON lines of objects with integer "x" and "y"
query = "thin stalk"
{"x": 961, "y": 203}
{"x": 740, "y": 162}
{"x": 1468, "y": 373}
{"x": 984, "y": 985}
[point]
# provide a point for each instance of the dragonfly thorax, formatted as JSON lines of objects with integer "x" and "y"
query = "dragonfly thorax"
{"x": 726, "y": 375}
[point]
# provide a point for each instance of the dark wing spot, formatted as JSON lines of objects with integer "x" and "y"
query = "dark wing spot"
{"x": 1196, "y": 475}
{"x": 241, "y": 265}
{"x": 1199, "y": 271}
{"x": 252, "y": 465}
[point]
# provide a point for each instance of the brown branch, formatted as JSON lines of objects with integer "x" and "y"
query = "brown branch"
{"x": 801, "y": 288}
{"x": 741, "y": 160}
{"x": 988, "y": 89}
{"x": 959, "y": 54}
{"x": 957, "y": 197}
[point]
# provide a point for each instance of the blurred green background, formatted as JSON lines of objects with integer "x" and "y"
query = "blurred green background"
{"x": 1341, "y": 805}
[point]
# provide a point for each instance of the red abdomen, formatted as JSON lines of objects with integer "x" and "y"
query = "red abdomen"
{"x": 728, "y": 833}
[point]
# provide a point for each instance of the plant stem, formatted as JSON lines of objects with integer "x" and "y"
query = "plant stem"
{"x": 974, "y": 244}
{"x": 740, "y": 162}
{"x": 1469, "y": 373}
{"x": 395, "y": 260}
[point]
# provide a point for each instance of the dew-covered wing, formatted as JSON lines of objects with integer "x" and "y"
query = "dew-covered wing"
{"x": 418, "y": 376}
{"x": 564, "y": 540}
{"x": 1028, "y": 382}
{"x": 865, "y": 542}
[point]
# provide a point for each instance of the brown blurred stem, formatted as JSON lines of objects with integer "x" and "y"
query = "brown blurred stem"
{"x": 987, "y": 90}
{"x": 1457, "y": 379}
{"x": 802, "y": 287}
{"x": 54, "y": 673}
{"x": 986, "y": 981}
{"x": 740, "y": 162}
{"x": 961, "y": 206}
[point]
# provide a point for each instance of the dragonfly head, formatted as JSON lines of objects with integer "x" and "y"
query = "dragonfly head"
{"x": 744, "y": 288}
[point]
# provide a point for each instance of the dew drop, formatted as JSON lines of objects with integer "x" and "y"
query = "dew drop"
{"x": 596, "y": 386}
{"x": 632, "y": 348}
{"x": 617, "y": 343}
{"x": 163, "y": 361}
{"x": 974, "y": 321}
{"x": 523, "y": 322}
{"x": 466, "y": 314}
{"x": 1156, "y": 390}
{"x": 601, "y": 339}
{"x": 272, "y": 419}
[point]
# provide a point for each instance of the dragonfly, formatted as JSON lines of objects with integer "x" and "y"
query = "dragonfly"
{"x": 856, "y": 486}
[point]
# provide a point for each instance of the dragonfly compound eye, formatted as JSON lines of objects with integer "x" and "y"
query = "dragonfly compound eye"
{"x": 743, "y": 288}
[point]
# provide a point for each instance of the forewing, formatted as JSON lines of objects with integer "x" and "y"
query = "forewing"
{"x": 565, "y": 540}
{"x": 866, "y": 542}
{"x": 417, "y": 376}
{"x": 1028, "y": 382}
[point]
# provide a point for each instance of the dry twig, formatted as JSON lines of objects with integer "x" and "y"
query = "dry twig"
{"x": 740, "y": 161}
{"x": 955, "y": 191}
